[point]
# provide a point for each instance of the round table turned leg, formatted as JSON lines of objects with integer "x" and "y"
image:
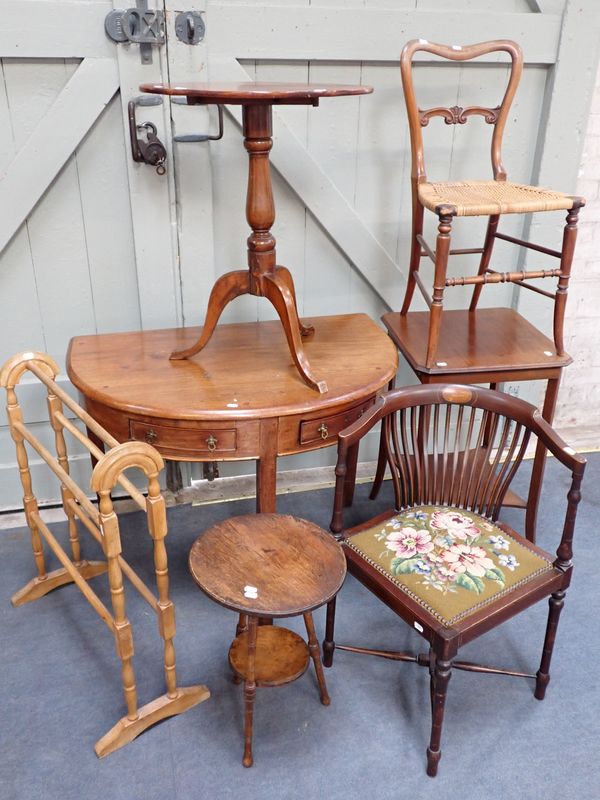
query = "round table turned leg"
{"x": 315, "y": 653}
{"x": 249, "y": 693}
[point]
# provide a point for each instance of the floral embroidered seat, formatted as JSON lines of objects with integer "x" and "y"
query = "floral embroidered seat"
{"x": 451, "y": 561}
{"x": 441, "y": 560}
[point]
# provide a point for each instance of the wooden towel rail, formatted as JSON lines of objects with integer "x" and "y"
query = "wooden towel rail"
{"x": 103, "y": 525}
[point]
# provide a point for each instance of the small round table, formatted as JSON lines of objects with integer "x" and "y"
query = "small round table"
{"x": 271, "y": 565}
{"x": 263, "y": 278}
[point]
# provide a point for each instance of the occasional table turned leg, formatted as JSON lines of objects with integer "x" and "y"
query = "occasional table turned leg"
{"x": 249, "y": 692}
{"x": 315, "y": 653}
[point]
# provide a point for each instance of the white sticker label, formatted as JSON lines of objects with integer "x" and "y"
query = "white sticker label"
{"x": 418, "y": 626}
{"x": 251, "y": 592}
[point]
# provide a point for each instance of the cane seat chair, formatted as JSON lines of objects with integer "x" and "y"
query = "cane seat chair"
{"x": 441, "y": 559}
{"x": 487, "y": 345}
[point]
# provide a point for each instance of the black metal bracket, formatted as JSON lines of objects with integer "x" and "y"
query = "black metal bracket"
{"x": 139, "y": 25}
{"x": 199, "y": 137}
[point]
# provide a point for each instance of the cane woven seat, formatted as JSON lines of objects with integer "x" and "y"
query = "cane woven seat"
{"x": 471, "y": 344}
{"x": 476, "y": 198}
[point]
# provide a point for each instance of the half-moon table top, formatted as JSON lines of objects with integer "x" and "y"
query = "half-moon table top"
{"x": 245, "y": 371}
{"x": 255, "y": 92}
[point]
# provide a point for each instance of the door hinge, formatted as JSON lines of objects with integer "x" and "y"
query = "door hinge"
{"x": 139, "y": 25}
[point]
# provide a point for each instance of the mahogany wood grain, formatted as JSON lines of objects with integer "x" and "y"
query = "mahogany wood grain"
{"x": 479, "y": 345}
{"x": 132, "y": 388}
{"x": 264, "y": 277}
{"x": 495, "y": 340}
{"x": 429, "y": 467}
{"x": 275, "y": 565}
{"x": 293, "y": 564}
{"x": 281, "y": 656}
{"x": 271, "y": 93}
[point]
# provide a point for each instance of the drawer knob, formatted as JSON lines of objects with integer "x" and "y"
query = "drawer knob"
{"x": 211, "y": 443}
{"x": 151, "y": 436}
{"x": 322, "y": 429}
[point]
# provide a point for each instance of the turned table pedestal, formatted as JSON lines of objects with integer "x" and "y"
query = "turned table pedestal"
{"x": 263, "y": 278}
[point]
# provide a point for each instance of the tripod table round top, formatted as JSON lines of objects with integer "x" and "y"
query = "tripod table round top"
{"x": 256, "y": 92}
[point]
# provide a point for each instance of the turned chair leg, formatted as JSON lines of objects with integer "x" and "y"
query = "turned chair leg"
{"x": 328, "y": 642}
{"x": 249, "y": 692}
{"x": 440, "y": 679}
{"x": 556, "y": 602}
{"x": 486, "y": 255}
{"x": 315, "y": 654}
{"x": 442, "y": 250}
{"x": 566, "y": 261}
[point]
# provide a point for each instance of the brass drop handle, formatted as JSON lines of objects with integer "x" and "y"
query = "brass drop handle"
{"x": 322, "y": 429}
{"x": 211, "y": 443}
{"x": 151, "y": 436}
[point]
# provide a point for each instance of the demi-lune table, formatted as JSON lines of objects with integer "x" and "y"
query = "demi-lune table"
{"x": 243, "y": 400}
{"x": 263, "y": 278}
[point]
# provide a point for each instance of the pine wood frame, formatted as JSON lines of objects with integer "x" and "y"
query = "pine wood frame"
{"x": 103, "y": 525}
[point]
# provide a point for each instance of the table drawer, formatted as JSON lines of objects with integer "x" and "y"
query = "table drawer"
{"x": 327, "y": 428}
{"x": 206, "y": 440}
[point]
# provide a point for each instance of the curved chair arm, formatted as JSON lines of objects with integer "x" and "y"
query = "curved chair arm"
{"x": 424, "y": 395}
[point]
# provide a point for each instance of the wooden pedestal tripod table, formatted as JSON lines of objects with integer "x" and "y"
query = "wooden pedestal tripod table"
{"x": 264, "y": 277}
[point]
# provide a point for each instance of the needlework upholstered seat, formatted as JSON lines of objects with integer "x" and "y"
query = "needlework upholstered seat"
{"x": 441, "y": 559}
{"x": 451, "y": 561}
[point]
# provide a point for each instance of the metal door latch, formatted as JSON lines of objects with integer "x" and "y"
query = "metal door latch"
{"x": 149, "y": 150}
{"x": 138, "y": 25}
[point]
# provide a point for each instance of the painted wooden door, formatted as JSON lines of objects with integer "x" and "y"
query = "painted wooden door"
{"x": 342, "y": 183}
{"x": 91, "y": 241}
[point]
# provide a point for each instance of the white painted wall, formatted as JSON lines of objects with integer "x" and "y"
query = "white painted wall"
{"x": 578, "y": 411}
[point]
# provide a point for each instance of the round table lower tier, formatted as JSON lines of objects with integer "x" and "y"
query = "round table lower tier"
{"x": 282, "y": 656}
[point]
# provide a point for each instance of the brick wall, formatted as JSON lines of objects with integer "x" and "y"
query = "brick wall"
{"x": 579, "y": 398}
